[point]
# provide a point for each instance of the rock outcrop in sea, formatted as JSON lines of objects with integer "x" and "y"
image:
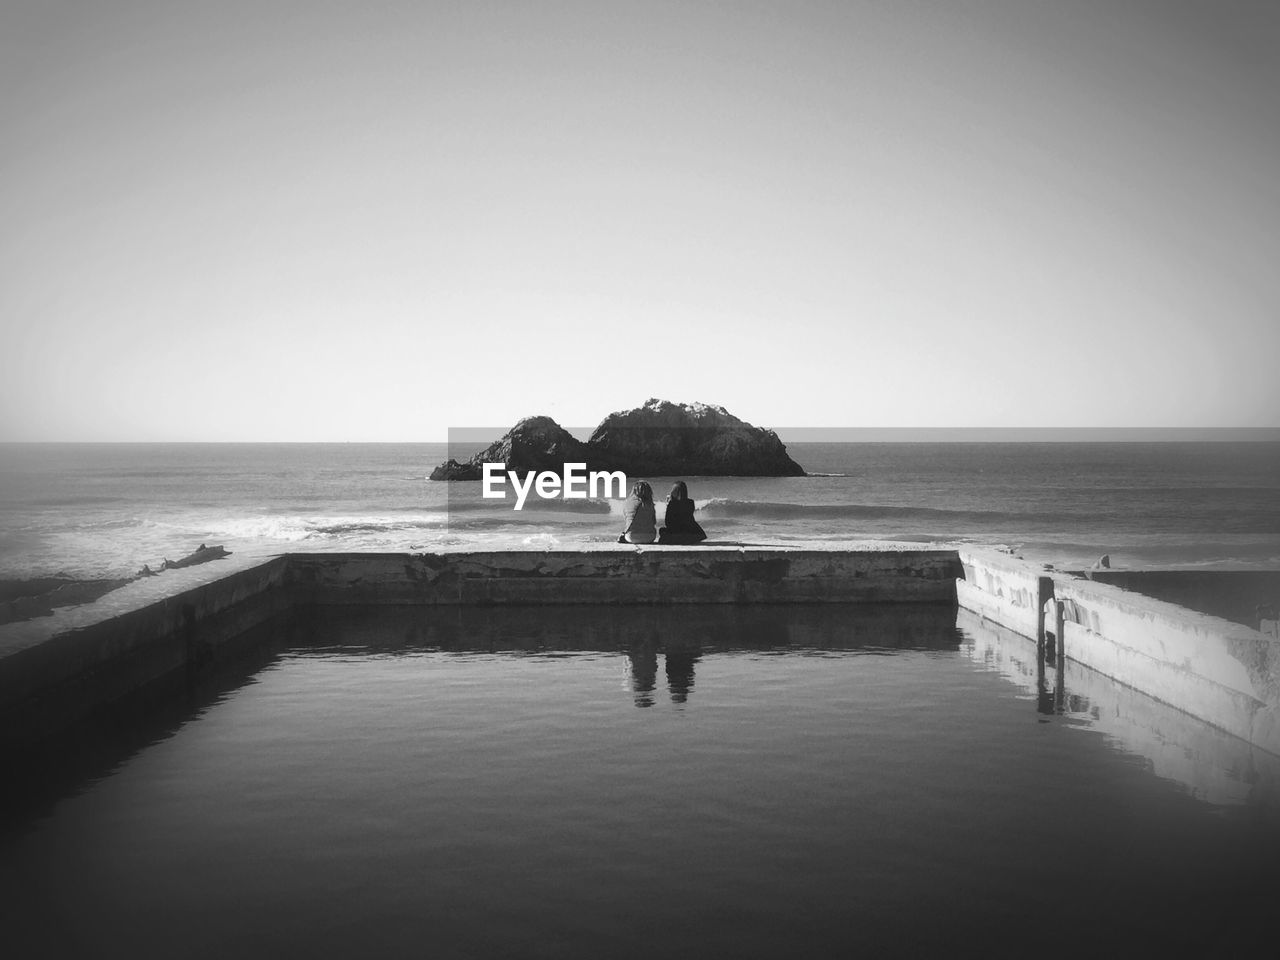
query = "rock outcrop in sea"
{"x": 659, "y": 439}
{"x": 689, "y": 439}
{"x": 535, "y": 443}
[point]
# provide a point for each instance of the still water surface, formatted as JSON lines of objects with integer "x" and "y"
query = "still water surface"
{"x": 751, "y": 782}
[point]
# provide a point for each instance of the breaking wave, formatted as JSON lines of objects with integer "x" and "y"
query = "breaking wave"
{"x": 764, "y": 510}
{"x": 298, "y": 528}
{"x": 534, "y": 502}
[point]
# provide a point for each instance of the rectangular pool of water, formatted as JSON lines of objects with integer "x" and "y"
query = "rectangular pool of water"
{"x": 616, "y": 782}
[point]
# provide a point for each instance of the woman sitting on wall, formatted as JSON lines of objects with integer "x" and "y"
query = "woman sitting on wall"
{"x": 679, "y": 525}
{"x": 640, "y": 524}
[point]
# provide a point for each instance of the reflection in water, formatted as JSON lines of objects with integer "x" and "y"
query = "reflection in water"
{"x": 1048, "y": 701}
{"x": 406, "y": 630}
{"x": 1208, "y": 763}
{"x": 680, "y": 661}
{"x": 476, "y": 780}
{"x": 642, "y": 660}
{"x": 41, "y": 773}
{"x": 680, "y": 635}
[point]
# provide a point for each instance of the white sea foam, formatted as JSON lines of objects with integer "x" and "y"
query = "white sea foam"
{"x": 294, "y": 528}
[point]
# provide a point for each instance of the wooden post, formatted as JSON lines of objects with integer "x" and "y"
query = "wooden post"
{"x": 1044, "y": 591}
{"x": 1059, "y": 693}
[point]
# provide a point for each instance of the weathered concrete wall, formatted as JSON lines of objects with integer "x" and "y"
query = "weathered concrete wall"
{"x": 57, "y": 669}
{"x": 1208, "y": 762}
{"x": 670, "y": 575}
{"x": 1001, "y": 588}
{"x": 1222, "y": 672}
{"x": 1234, "y": 595}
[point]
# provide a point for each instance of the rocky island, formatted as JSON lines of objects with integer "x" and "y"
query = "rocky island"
{"x": 659, "y": 439}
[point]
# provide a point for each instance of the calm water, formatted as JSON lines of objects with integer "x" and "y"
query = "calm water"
{"x": 105, "y": 510}
{"x": 607, "y": 782}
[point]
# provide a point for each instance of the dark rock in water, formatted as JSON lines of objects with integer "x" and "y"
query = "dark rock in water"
{"x": 668, "y": 439}
{"x": 201, "y": 554}
{"x": 657, "y": 439}
{"x": 451, "y": 469}
{"x": 535, "y": 443}
{"x": 1103, "y": 562}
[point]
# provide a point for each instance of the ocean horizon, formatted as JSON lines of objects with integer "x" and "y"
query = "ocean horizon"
{"x": 96, "y": 510}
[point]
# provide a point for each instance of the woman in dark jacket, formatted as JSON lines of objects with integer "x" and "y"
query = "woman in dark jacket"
{"x": 679, "y": 525}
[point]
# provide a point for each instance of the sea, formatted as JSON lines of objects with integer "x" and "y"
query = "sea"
{"x": 91, "y": 511}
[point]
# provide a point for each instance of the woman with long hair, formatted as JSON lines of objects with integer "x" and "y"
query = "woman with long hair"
{"x": 641, "y": 520}
{"x": 679, "y": 525}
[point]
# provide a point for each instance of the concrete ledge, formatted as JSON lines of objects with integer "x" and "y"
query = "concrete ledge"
{"x": 659, "y": 575}
{"x": 1211, "y": 764}
{"x": 1001, "y": 588}
{"x": 57, "y": 669}
{"x": 1221, "y": 672}
{"x": 1235, "y": 595}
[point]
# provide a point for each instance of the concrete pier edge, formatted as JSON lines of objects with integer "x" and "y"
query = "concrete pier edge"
{"x": 57, "y": 670}
{"x": 1219, "y": 671}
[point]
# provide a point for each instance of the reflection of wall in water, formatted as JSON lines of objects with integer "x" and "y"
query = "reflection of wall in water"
{"x": 1211, "y": 765}
{"x": 710, "y": 627}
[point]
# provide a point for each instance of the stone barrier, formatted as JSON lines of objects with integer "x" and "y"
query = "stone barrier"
{"x": 57, "y": 669}
{"x": 1221, "y": 672}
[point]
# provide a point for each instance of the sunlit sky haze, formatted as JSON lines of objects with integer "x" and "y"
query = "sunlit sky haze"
{"x": 374, "y": 221}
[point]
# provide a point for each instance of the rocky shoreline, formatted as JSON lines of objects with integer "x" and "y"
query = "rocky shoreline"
{"x": 26, "y": 599}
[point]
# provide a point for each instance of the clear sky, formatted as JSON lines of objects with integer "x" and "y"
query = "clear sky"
{"x": 256, "y": 220}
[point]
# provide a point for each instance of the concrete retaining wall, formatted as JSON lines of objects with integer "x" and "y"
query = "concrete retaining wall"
{"x": 1237, "y": 595}
{"x": 658, "y": 576}
{"x": 1210, "y": 763}
{"x": 55, "y": 670}
{"x": 1001, "y": 588}
{"x": 1222, "y": 672}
